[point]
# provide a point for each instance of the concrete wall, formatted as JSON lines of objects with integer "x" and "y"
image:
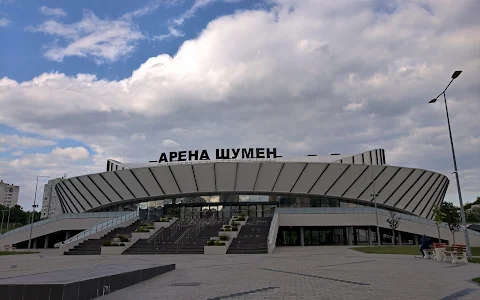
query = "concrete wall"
{"x": 369, "y": 220}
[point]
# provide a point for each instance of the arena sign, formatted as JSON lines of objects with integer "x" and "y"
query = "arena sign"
{"x": 224, "y": 154}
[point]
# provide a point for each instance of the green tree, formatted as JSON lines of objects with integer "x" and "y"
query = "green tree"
{"x": 469, "y": 205}
{"x": 439, "y": 217}
{"x": 452, "y": 217}
{"x": 393, "y": 222}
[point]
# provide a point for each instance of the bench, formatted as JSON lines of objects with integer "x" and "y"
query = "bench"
{"x": 431, "y": 253}
{"x": 458, "y": 250}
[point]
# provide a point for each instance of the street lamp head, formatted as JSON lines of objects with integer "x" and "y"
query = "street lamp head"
{"x": 456, "y": 74}
{"x": 432, "y": 101}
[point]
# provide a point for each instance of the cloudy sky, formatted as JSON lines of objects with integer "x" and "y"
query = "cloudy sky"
{"x": 84, "y": 81}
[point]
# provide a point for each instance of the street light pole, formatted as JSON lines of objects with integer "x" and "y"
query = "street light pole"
{"x": 374, "y": 195}
{"x": 33, "y": 213}
{"x": 462, "y": 209}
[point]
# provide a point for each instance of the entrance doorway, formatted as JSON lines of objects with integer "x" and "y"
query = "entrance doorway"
{"x": 220, "y": 210}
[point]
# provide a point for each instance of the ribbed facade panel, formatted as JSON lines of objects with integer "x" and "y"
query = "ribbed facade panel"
{"x": 225, "y": 174}
{"x": 246, "y": 176}
{"x": 267, "y": 176}
{"x": 407, "y": 189}
{"x": 205, "y": 176}
{"x": 308, "y": 177}
{"x": 145, "y": 177}
{"x": 288, "y": 177}
{"x": 186, "y": 179}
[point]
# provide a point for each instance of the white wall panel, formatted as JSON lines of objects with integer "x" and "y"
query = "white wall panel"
{"x": 225, "y": 174}
{"x": 421, "y": 194}
{"x": 428, "y": 202}
{"x": 166, "y": 180}
{"x": 85, "y": 193}
{"x": 380, "y": 181}
{"x": 93, "y": 189}
{"x": 391, "y": 186}
{"x": 348, "y": 160}
{"x": 72, "y": 202}
{"x": 404, "y": 187}
{"x": 102, "y": 184}
{"x": 363, "y": 182}
{"x": 148, "y": 181}
{"x": 357, "y": 159}
{"x": 113, "y": 180}
{"x": 328, "y": 178}
{"x": 185, "y": 179}
{"x": 308, "y": 177}
{"x": 132, "y": 183}
{"x": 346, "y": 180}
{"x": 366, "y": 156}
{"x": 267, "y": 176}
{"x": 437, "y": 186}
{"x": 67, "y": 201}
{"x": 288, "y": 177}
{"x": 374, "y": 157}
{"x": 204, "y": 173}
{"x": 83, "y": 203}
{"x": 415, "y": 188}
{"x": 246, "y": 176}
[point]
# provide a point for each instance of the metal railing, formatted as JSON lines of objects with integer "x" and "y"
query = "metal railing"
{"x": 87, "y": 215}
{"x": 103, "y": 226}
{"x": 181, "y": 239}
{"x": 361, "y": 210}
{"x": 273, "y": 229}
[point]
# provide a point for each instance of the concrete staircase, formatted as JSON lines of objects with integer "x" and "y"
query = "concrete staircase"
{"x": 252, "y": 238}
{"x": 92, "y": 247}
{"x": 191, "y": 245}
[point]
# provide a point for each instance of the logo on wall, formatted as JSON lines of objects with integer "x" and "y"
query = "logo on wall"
{"x": 238, "y": 153}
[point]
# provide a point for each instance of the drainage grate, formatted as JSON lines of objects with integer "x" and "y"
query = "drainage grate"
{"x": 186, "y": 284}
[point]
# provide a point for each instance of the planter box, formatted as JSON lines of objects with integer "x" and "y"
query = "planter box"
{"x": 227, "y": 243}
{"x": 231, "y": 234}
{"x": 142, "y": 235}
{"x": 159, "y": 225}
{"x": 215, "y": 250}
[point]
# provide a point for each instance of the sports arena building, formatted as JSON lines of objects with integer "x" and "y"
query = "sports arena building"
{"x": 311, "y": 200}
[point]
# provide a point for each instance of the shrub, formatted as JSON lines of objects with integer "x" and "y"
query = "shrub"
{"x": 121, "y": 244}
{"x": 150, "y": 227}
{"x": 107, "y": 243}
{"x": 123, "y": 238}
{"x": 217, "y": 243}
{"x": 235, "y": 229}
{"x": 240, "y": 219}
{"x": 227, "y": 226}
{"x": 235, "y": 224}
{"x": 224, "y": 237}
{"x": 142, "y": 229}
{"x": 228, "y": 229}
{"x": 163, "y": 220}
{"x": 114, "y": 244}
{"x": 211, "y": 243}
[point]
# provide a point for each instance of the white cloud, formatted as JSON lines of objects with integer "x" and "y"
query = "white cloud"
{"x": 100, "y": 40}
{"x": 17, "y": 153}
{"x": 170, "y": 144}
{"x": 73, "y": 153}
{"x": 297, "y": 77}
{"x": 4, "y": 22}
{"x": 197, "y": 5}
{"x": 15, "y": 141}
{"x": 137, "y": 137}
{"x": 54, "y": 12}
{"x": 172, "y": 32}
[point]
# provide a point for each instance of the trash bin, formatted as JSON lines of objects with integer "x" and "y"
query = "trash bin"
{"x": 439, "y": 254}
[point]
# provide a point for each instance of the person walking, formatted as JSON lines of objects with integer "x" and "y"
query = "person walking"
{"x": 425, "y": 243}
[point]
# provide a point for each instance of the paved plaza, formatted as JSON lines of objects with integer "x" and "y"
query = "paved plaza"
{"x": 289, "y": 273}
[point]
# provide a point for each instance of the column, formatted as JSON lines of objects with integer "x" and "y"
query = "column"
{"x": 45, "y": 245}
{"x": 370, "y": 235}
{"x": 349, "y": 236}
{"x": 302, "y": 242}
{"x": 67, "y": 235}
{"x": 399, "y": 238}
{"x": 415, "y": 239}
{"x": 34, "y": 244}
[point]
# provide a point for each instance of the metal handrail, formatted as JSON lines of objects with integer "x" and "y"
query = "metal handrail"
{"x": 86, "y": 215}
{"x": 103, "y": 226}
{"x": 180, "y": 239}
